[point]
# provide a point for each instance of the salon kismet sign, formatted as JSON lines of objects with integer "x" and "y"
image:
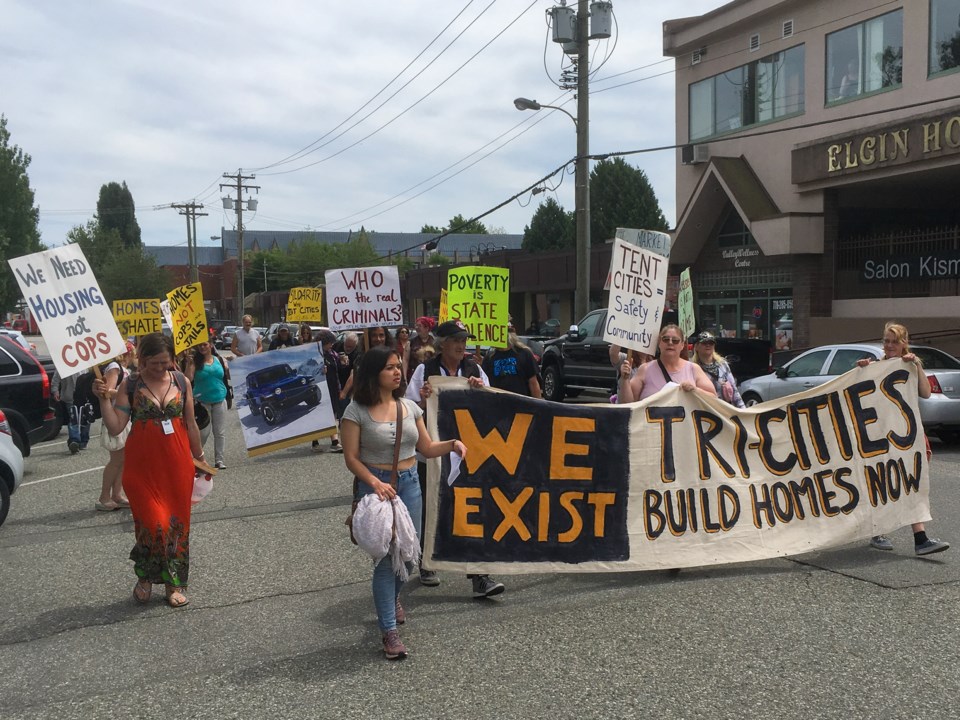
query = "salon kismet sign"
{"x": 911, "y": 140}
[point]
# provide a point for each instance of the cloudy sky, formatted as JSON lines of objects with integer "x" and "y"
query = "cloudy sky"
{"x": 169, "y": 96}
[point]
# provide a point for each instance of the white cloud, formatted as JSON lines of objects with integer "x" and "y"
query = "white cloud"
{"x": 168, "y": 96}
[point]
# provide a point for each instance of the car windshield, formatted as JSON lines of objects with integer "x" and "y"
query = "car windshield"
{"x": 933, "y": 359}
{"x": 273, "y": 374}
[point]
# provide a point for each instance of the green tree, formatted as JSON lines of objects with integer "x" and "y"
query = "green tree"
{"x": 474, "y": 227}
{"x": 116, "y": 211}
{"x": 133, "y": 273}
{"x": 621, "y": 196}
{"x": 19, "y": 233}
{"x": 551, "y": 228}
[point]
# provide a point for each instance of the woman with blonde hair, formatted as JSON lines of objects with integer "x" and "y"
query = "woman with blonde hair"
{"x": 896, "y": 346}
{"x": 717, "y": 369}
{"x": 669, "y": 367}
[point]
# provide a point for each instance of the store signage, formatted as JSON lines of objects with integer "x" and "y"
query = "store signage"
{"x": 912, "y": 140}
{"x": 740, "y": 256}
{"x": 932, "y": 266}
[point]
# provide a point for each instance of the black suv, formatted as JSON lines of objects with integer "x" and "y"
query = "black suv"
{"x": 274, "y": 388}
{"x": 25, "y": 396}
{"x": 580, "y": 360}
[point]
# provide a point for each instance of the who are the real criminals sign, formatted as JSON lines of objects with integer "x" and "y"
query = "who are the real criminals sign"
{"x": 65, "y": 298}
{"x": 363, "y": 297}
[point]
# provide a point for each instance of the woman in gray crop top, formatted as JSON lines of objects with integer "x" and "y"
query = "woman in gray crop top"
{"x": 368, "y": 435}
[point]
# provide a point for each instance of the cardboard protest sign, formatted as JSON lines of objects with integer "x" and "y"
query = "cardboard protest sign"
{"x": 363, "y": 297}
{"x": 638, "y": 280}
{"x": 479, "y": 296}
{"x": 188, "y": 318}
{"x": 305, "y": 304}
{"x": 652, "y": 240}
{"x": 165, "y": 312}
{"x": 688, "y": 319}
{"x": 677, "y": 480}
{"x": 137, "y": 317}
{"x": 444, "y": 313}
{"x": 282, "y": 398}
{"x": 71, "y": 312}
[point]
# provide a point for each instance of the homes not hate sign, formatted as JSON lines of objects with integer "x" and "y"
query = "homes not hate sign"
{"x": 65, "y": 298}
{"x": 138, "y": 316}
{"x": 638, "y": 280}
{"x": 479, "y": 297}
{"x": 363, "y": 297}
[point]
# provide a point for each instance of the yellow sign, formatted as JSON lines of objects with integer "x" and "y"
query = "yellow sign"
{"x": 137, "y": 317}
{"x": 188, "y": 319}
{"x": 444, "y": 312}
{"x": 305, "y": 304}
{"x": 479, "y": 296}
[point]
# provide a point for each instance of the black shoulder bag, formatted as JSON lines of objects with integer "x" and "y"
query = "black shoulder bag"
{"x": 393, "y": 473}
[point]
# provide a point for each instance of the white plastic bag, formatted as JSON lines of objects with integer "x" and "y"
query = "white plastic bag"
{"x": 202, "y": 485}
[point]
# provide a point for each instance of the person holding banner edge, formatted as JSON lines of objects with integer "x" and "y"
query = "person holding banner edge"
{"x": 668, "y": 367}
{"x": 158, "y": 470}
{"x": 451, "y": 361}
{"x": 896, "y": 345}
{"x": 368, "y": 434}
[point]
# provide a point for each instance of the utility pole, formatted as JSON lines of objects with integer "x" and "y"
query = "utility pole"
{"x": 582, "y": 192}
{"x": 190, "y": 211}
{"x": 237, "y": 205}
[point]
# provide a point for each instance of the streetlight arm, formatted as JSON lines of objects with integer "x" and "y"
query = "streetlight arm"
{"x": 525, "y": 104}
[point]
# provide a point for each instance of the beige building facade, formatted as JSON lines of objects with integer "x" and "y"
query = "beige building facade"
{"x": 818, "y": 174}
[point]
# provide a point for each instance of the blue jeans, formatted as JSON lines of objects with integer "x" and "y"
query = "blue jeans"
{"x": 78, "y": 424}
{"x": 386, "y": 584}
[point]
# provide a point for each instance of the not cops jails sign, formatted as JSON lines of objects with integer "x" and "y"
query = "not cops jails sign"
{"x": 304, "y": 304}
{"x": 137, "y": 317}
{"x": 64, "y": 296}
{"x": 479, "y": 297}
{"x": 188, "y": 319}
{"x": 677, "y": 480}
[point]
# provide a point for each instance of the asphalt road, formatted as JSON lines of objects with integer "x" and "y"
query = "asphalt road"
{"x": 281, "y": 621}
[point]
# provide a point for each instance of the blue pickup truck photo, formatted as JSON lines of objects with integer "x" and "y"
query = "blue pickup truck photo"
{"x": 272, "y": 389}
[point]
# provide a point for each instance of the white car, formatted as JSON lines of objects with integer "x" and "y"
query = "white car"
{"x": 940, "y": 412}
{"x": 11, "y": 467}
{"x": 19, "y": 339}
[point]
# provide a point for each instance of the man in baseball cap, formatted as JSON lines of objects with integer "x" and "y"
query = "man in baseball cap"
{"x": 453, "y": 329}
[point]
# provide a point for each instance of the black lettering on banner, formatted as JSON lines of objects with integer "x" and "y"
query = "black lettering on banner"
{"x": 766, "y": 443}
{"x": 708, "y": 427}
{"x": 540, "y": 482}
{"x": 888, "y": 386}
{"x": 863, "y": 417}
{"x": 666, "y": 416}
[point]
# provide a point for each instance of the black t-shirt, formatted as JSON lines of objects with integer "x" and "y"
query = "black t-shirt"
{"x": 344, "y": 370}
{"x": 510, "y": 370}
{"x": 279, "y": 343}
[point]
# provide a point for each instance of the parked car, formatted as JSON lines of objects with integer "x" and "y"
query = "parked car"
{"x": 224, "y": 339}
{"x": 24, "y": 395}
{"x": 580, "y": 360}
{"x": 272, "y": 389}
{"x": 940, "y": 412}
{"x": 11, "y": 466}
{"x": 18, "y": 337}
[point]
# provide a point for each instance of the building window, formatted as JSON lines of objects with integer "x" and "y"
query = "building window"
{"x": 767, "y": 89}
{"x": 734, "y": 232}
{"x": 944, "y": 35}
{"x": 865, "y": 58}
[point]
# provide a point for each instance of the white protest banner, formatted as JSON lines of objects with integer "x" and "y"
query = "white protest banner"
{"x": 676, "y": 480}
{"x": 71, "y": 312}
{"x": 688, "y": 319}
{"x": 652, "y": 240}
{"x": 305, "y": 304}
{"x": 638, "y": 281}
{"x": 363, "y": 297}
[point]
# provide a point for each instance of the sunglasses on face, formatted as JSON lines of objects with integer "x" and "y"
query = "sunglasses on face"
{"x": 671, "y": 340}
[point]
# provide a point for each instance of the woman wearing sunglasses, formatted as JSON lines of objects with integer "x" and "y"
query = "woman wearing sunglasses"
{"x": 668, "y": 367}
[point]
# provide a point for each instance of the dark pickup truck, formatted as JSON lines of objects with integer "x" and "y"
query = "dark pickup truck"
{"x": 580, "y": 360}
{"x": 25, "y": 396}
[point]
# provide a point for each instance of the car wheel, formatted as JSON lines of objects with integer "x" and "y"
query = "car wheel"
{"x": 20, "y": 440}
{"x": 271, "y": 413}
{"x": 751, "y": 399}
{"x": 314, "y": 398}
{"x": 4, "y": 500}
{"x": 552, "y": 385}
{"x": 254, "y": 408}
{"x": 949, "y": 435}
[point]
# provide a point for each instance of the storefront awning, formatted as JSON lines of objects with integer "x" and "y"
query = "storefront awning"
{"x": 732, "y": 180}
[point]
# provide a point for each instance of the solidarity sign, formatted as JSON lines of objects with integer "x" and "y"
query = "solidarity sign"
{"x": 678, "y": 480}
{"x": 72, "y": 314}
{"x": 304, "y": 304}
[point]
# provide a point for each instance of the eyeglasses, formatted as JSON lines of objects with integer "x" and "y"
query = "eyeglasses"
{"x": 671, "y": 340}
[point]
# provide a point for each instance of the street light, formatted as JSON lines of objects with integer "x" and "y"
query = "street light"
{"x": 582, "y": 194}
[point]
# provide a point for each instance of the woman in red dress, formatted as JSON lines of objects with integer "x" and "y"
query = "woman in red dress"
{"x": 158, "y": 470}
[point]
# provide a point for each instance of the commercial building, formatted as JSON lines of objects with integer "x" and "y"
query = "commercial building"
{"x": 816, "y": 182}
